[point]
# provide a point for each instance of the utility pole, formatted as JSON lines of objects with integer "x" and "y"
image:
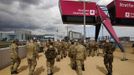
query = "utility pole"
{"x": 84, "y": 27}
{"x": 67, "y": 31}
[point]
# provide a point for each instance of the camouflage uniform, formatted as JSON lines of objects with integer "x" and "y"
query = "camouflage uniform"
{"x": 108, "y": 56}
{"x": 94, "y": 48}
{"x": 71, "y": 54}
{"x": 80, "y": 57}
{"x": 15, "y": 59}
{"x": 88, "y": 48}
{"x": 32, "y": 54}
{"x": 50, "y": 54}
{"x": 64, "y": 49}
{"x": 57, "y": 45}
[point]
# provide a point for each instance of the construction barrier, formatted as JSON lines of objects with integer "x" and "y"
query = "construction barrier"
{"x": 5, "y": 56}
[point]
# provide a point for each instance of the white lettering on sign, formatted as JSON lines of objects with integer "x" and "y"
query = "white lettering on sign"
{"x": 81, "y": 12}
{"x": 92, "y": 12}
{"x": 129, "y": 15}
{"x": 127, "y": 5}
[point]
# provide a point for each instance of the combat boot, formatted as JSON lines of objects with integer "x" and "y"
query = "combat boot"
{"x": 109, "y": 73}
{"x": 83, "y": 68}
{"x": 12, "y": 73}
{"x": 74, "y": 67}
{"x": 15, "y": 72}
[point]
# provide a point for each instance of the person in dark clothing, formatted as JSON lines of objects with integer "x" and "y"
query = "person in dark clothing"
{"x": 50, "y": 54}
{"x": 109, "y": 48}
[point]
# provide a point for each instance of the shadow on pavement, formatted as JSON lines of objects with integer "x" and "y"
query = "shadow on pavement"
{"x": 39, "y": 70}
{"x": 22, "y": 68}
{"x": 102, "y": 69}
{"x": 130, "y": 60}
{"x": 56, "y": 69}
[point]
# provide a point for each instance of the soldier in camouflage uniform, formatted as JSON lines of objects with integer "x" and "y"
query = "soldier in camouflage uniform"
{"x": 50, "y": 54}
{"x": 15, "y": 59}
{"x": 88, "y": 48}
{"x": 109, "y": 48}
{"x": 57, "y": 45}
{"x": 32, "y": 54}
{"x": 72, "y": 54}
{"x": 94, "y": 48}
{"x": 80, "y": 57}
{"x": 63, "y": 49}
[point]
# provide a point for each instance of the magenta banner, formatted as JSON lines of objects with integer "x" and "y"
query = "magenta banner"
{"x": 76, "y": 8}
{"x": 125, "y": 9}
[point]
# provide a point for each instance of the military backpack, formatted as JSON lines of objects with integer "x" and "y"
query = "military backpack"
{"x": 51, "y": 53}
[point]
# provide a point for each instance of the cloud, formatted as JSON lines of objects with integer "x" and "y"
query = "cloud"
{"x": 35, "y": 2}
{"x": 7, "y": 1}
{"x": 11, "y": 21}
{"x": 24, "y": 4}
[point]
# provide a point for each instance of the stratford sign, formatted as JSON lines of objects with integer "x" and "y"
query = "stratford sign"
{"x": 76, "y": 8}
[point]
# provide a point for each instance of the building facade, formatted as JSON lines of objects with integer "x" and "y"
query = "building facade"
{"x": 21, "y": 35}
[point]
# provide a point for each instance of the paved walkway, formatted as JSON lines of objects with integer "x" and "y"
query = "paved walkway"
{"x": 93, "y": 66}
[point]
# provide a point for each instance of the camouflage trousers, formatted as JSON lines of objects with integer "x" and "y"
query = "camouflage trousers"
{"x": 108, "y": 59}
{"x": 58, "y": 58}
{"x": 72, "y": 63}
{"x": 94, "y": 52}
{"x": 50, "y": 66}
{"x": 15, "y": 62}
{"x": 79, "y": 64}
{"x": 63, "y": 53}
{"x": 32, "y": 64}
{"x": 89, "y": 51}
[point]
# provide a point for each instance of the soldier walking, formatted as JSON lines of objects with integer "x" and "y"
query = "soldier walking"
{"x": 94, "y": 48}
{"x": 109, "y": 48}
{"x": 88, "y": 48}
{"x": 50, "y": 54}
{"x": 80, "y": 57}
{"x": 57, "y": 45}
{"x": 32, "y": 54}
{"x": 71, "y": 54}
{"x": 15, "y": 59}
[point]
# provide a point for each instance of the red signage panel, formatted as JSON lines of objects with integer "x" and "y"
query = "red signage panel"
{"x": 76, "y": 8}
{"x": 125, "y": 9}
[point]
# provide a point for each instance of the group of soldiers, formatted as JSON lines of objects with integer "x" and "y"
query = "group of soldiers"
{"x": 77, "y": 51}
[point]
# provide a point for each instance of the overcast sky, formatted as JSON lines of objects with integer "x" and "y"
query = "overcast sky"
{"x": 43, "y": 16}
